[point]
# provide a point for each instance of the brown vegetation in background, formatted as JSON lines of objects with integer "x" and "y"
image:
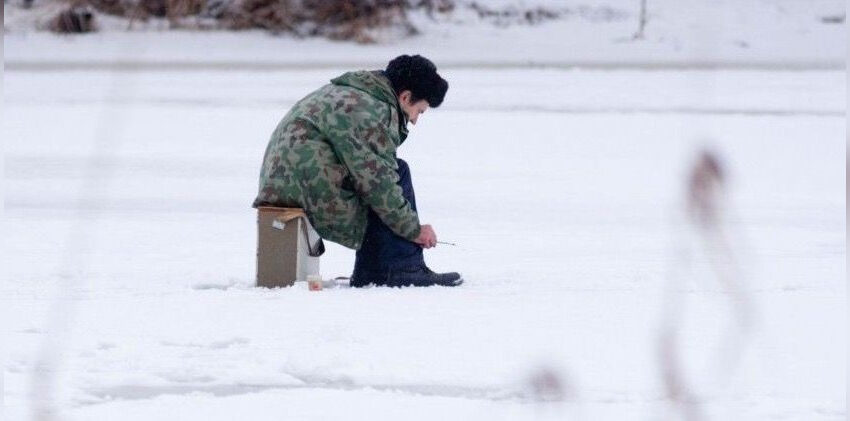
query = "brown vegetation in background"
{"x": 335, "y": 19}
{"x": 341, "y": 20}
{"x": 503, "y": 16}
{"x": 142, "y": 10}
{"x": 363, "y": 21}
{"x": 76, "y": 19}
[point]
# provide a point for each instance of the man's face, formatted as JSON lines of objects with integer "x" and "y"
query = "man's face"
{"x": 412, "y": 109}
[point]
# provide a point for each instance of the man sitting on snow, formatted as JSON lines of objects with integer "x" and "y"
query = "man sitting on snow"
{"x": 334, "y": 154}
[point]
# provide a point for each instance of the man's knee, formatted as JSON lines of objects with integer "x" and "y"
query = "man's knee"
{"x": 402, "y": 165}
{"x": 403, "y": 169}
{"x": 405, "y": 182}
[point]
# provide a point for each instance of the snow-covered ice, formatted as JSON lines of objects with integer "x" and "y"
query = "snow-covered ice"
{"x": 133, "y": 190}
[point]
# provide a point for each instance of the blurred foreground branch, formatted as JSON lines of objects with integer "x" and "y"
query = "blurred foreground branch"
{"x": 704, "y": 208}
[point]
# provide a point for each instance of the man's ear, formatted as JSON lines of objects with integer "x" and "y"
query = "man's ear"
{"x": 404, "y": 97}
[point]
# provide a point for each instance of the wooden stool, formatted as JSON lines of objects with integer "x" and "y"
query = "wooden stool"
{"x": 288, "y": 248}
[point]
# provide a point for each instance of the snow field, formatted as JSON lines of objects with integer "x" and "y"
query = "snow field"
{"x": 563, "y": 190}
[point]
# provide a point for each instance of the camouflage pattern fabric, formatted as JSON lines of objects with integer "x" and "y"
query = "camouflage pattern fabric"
{"x": 334, "y": 154}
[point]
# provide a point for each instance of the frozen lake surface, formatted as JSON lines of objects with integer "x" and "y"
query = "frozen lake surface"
{"x": 127, "y": 208}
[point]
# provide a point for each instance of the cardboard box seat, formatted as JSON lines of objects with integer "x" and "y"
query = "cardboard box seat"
{"x": 288, "y": 248}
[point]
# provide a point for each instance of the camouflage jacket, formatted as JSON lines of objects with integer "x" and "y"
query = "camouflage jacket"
{"x": 334, "y": 154}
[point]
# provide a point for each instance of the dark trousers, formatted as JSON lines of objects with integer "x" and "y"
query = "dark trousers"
{"x": 382, "y": 249}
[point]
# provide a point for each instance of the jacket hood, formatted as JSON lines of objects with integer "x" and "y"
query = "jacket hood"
{"x": 378, "y": 86}
{"x": 373, "y": 83}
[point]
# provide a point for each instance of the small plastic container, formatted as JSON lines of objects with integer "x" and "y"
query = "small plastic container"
{"x": 314, "y": 283}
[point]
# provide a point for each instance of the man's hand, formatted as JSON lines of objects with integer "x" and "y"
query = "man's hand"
{"x": 427, "y": 237}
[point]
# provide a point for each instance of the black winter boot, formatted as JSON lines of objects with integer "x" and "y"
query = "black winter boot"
{"x": 421, "y": 276}
{"x": 362, "y": 278}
